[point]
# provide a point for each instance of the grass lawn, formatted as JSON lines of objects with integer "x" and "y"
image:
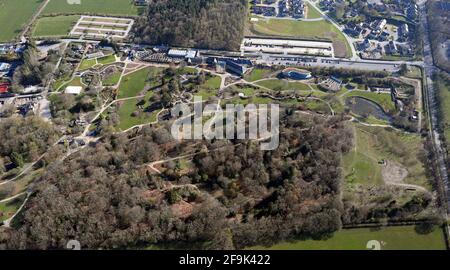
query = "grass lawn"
{"x": 9, "y": 208}
{"x": 54, "y": 26}
{"x": 87, "y": 64}
{"x": 257, "y": 74}
{"x": 382, "y": 99}
{"x": 213, "y": 83}
{"x": 312, "y": 12}
{"x": 105, "y": 60}
{"x": 127, "y": 120}
{"x": 14, "y": 15}
{"x": 303, "y": 29}
{"x": 361, "y": 164}
{"x": 108, "y": 7}
{"x": 283, "y": 85}
{"x": 209, "y": 88}
{"x": 373, "y": 144}
{"x": 397, "y": 58}
{"x": 188, "y": 71}
{"x": 75, "y": 82}
{"x": 112, "y": 80}
{"x": 414, "y": 72}
{"x": 132, "y": 84}
{"x": 391, "y": 238}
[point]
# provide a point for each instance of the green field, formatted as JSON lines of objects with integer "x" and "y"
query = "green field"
{"x": 283, "y": 85}
{"x": 74, "y": 82}
{"x": 107, "y": 7}
{"x": 134, "y": 83}
{"x": 54, "y": 26}
{"x": 14, "y": 15}
{"x": 87, "y": 64}
{"x": 112, "y": 80}
{"x": 105, "y": 60}
{"x": 361, "y": 163}
{"x": 126, "y": 109}
{"x": 391, "y": 238}
{"x": 257, "y": 74}
{"x": 303, "y": 29}
{"x": 209, "y": 88}
{"x": 374, "y": 144}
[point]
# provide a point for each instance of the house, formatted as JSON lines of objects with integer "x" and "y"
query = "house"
{"x": 364, "y": 45}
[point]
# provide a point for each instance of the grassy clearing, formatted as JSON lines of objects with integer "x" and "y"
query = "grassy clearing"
{"x": 391, "y": 238}
{"x": 112, "y": 80}
{"x": 9, "y": 208}
{"x": 414, "y": 72}
{"x": 14, "y": 15}
{"x": 87, "y": 64}
{"x": 74, "y": 82}
{"x": 128, "y": 118}
{"x": 134, "y": 83}
{"x": 209, "y": 88}
{"x": 361, "y": 164}
{"x": 374, "y": 144}
{"x": 303, "y": 29}
{"x": 257, "y": 74}
{"x": 106, "y": 60}
{"x": 54, "y": 26}
{"x": 108, "y": 7}
{"x": 283, "y": 85}
{"x": 382, "y": 99}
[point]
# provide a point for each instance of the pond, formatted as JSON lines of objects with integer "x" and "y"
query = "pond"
{"x": 365, "y": 107}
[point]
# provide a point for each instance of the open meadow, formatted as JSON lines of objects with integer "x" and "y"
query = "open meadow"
{"x": 54, "y": 26}
{"x": 391, "y": 238}
{"x": 106, "y": 7}
{"x": 13, "y": 18}
{"x": 314, "y": 30}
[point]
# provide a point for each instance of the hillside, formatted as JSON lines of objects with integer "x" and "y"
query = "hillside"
{"x": 214, "y": 24}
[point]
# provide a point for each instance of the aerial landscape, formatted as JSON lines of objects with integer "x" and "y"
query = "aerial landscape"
{"x": 123, "y": 125}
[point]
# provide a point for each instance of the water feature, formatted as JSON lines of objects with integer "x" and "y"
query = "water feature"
{"x": 365, "y": 107}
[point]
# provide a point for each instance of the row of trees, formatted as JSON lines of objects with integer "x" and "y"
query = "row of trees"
{"x": 215, "y": 24}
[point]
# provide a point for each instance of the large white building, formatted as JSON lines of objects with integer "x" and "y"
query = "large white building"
{"x": 287, "y": 46}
